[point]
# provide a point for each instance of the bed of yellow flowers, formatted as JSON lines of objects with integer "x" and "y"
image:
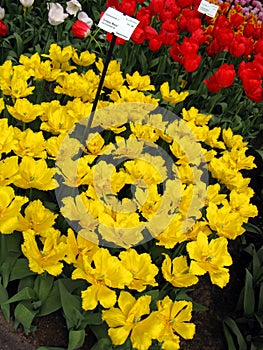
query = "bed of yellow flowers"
{"x": 135, "y": 232}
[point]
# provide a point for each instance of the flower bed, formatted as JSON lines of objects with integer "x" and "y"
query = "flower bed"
{"x": 112, "y": 218}
{"x": 172, "y": 228}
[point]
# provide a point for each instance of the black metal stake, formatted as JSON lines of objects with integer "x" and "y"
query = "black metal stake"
{"x": 230, "y": 5}
{"x": 102, "y": 78}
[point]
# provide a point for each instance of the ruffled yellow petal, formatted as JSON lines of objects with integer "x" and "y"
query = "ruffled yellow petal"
{"x": 120, "y": 334}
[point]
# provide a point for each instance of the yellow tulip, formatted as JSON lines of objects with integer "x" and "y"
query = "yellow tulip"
{"x": 138, "y": 82}
{"x": 49, "y": 257}
{"x": 108, "y": 272}
{"x": 35, "y": 174}
{"x": 141, "y": 267}
{"x": 10, "y": 206}
{"x": 36, "y": 217}
{"x": 210, "y": 257}
{"x": 172, "y": 96}
{"x": 126, "y": 320}
{"x": 177, "y": 272}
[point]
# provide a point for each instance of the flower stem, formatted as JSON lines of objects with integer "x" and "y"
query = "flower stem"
{"x": 216, "y": 99}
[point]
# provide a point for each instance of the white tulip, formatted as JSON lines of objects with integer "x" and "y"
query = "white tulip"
{"x": 73, "y": 7}
{"x": 82, "y": 16}
{"x": 2, "y": 12}
{"x": 27, "y": 3}
{"x": 56, "y": 14}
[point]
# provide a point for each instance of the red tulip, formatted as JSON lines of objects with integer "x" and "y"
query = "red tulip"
{"x": 155, "y": 43}
{"x": 3, "y": 28}
{"x": 169, "y": 32}
{"x": 251, "y": 75}
{"x": 259, "y": 46}
{"x": 119, "y": 41}
{"x": 191, "y": 62}
{"x": 223, "y": 77}
{"x": 138, "y": 35}
{"x": 128, "y": 7}
{"x": 237, "y": 20}
{"x": 80, "y": 29}
{"x": 224, "y": 37}
{"x": 144, "y": 16}
{"x": 241, "y": 46}
{"x": 156, "y": 6}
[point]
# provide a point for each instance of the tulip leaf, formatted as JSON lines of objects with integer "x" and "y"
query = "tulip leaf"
{"x": 229, "y": 338}
{"x": 19, "y": 44}
{"x": 4, "y": 307}
{"x": 230, "y": 327}
{"x": 25, "y": 315}
{"x": 26, "y": 282}
{"x": 260, "y": 298}
{"x": 20, "y": 270}
{"x": 43, "y": 285}
{"x": 71, "y": 305}
{"x": 249, "y": 297}
{"x": 76, "y": 339}
{"x": 50, "y": 348}
{"x": 252, "y": 228}
{"x": 25, "y": 294}
{"x": 103, "y": 344}
{"x": 101, "y": 331}
{"x": 93, "y": 318}
{"x": 199, "y": 307}
{"x": 52, "y": 303}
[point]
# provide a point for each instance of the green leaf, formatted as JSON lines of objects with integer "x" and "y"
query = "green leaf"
{"x": 93, "y": 318}
{"x": 3, "y": 248}
{"x": 52, "y": 302}
{"x": 50, "y": 348}
{"x": 103, "y": 344}
{"x": 26, "y": 282}
{"x": 259, "y": 318}
{"x": 72, "y": 285}
{"x": 143, "y": 62}
{"x": 260, "y": 254}
{"x": 14, "y": 242}
{"x": 20, "y": 270}
{"x": 71, "y": 305}
{"x": 76, "y": 339}
{"x": 25, "y": 294}
{"x": 252, "y": 228}
{"x": 255, "y": 263}
{"x": 232, "y": 326}
{"x": 260, "y": 152}
{"x": 127, "y": 345}
{"x": 260, "y": 298}
{"x": 7, "y": 266}
{"x": 43, "y": 285}
{"x": 3, "y": 298}
{"x": 19, "y": 44}
{"x": 154, "y": 294}
{"x": 249, "y": 297}
{"x": 199, "y": 307}
{"x": 25, "y": 315}
{"x": 100, "y": 331}
{"x": 229, "y": 338}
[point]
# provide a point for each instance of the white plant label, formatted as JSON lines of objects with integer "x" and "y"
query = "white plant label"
{"x": 207, "y": 8}
{"x": 118, "y": 23}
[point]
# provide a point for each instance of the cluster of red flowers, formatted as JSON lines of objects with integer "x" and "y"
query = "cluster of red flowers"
{"x": 3, "y": 28}
{"x": 243, "y": 38}
{"x": 190, "y": 36}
